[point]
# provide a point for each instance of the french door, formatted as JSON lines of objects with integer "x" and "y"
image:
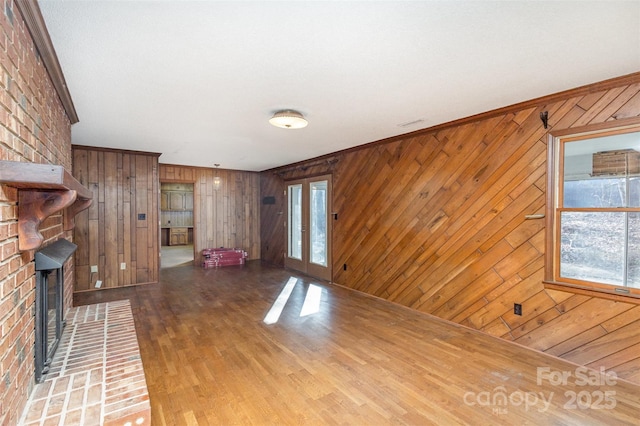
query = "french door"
{"x": 309, "y": 226}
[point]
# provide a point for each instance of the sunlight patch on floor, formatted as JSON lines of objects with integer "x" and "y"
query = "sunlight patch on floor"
{"x": 311, "y": 301}
{"x": 274, "y": 313}
{"x": 310, "y": 306}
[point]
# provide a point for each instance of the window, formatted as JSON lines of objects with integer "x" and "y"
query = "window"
{"x": 593, "y": 216}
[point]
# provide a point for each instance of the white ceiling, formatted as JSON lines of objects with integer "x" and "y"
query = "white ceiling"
{"x": 198, "y": 80}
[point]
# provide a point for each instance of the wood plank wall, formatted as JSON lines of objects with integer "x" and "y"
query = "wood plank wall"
{"x": 435, "y": 221}
{"x": 225, "y": 217}
{"x": 272, "y": 231}
{"x": 111, "y": 232}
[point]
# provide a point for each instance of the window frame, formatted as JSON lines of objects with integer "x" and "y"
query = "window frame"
{"x": 555, "y": 175}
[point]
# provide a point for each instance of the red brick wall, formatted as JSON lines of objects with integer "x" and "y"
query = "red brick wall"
{"x": 33, "y": 128}
{"x": 616, "y": 163}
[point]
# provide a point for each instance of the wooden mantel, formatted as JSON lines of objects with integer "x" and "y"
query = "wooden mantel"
{"x": 44, "y": 189}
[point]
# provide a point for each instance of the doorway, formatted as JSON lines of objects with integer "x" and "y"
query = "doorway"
{"x": 176, "y": 224}
{"x": 308, "y": 226}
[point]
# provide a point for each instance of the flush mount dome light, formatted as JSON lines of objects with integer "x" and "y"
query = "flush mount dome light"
{"x": 288, "y": 119}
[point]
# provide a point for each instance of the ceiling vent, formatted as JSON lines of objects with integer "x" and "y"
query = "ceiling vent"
{"x": 411, "y": 123}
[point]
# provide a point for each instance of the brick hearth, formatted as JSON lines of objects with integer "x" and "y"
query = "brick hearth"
{"x": 96, "y": 377}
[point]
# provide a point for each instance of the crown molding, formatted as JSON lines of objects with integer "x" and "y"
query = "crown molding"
{"x": 37, "y": 28}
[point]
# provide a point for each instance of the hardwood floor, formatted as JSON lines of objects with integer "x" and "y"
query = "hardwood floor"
{"x": 210, "y": 359}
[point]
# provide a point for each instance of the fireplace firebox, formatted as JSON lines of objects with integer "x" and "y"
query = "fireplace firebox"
{"x": 50, "y": 322}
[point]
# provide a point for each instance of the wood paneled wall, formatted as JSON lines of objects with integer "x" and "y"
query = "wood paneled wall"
{"x": 121, "y": 226}
{"x": 228, "y": 216}
{"x": 272, "y": 236}
{"x": 435, "y": 221}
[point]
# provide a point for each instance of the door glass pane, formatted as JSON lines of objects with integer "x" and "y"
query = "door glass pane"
{"x": 633, "y": 257}
{"x": 590, "y": 246}
{"x": 295, "y": 221}
{"x": 318, "y": 223}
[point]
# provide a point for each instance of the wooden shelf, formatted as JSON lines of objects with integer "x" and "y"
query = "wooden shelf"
{"x": 44, "y": 189}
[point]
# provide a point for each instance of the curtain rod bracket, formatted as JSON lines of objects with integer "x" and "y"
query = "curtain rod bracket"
{"x": 544, "y": 116}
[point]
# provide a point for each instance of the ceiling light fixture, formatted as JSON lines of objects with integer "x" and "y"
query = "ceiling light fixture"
{"x": 216, "y": 180}
{"x": 288, "y": 119}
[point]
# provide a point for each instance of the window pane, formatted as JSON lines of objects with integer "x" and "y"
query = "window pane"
{"x": 295, "y": 221}
{"x": 602, "y": 171}
{"x": 633, "y": 257}
{"x": 595, "y": 193}
{"x": 318, "y": 224}
{"x": 634, "y": 192}
{"x": 592, "y": 246}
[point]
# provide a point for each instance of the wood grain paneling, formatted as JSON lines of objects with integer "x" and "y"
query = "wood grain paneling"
{"x": 228, "y": 216}
{"x": 272, "y": 241}
{"x": 121, "y": 226}
{"x": 436, "y": 221}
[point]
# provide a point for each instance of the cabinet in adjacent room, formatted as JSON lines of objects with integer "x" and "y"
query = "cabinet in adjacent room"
{"x": 176, "y": 200}
{"x": 178, "y": 236}
{"x": 176, "y": 213}
{"x": 164, "y": 201}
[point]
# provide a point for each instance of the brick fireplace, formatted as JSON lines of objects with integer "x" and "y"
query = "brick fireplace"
{"x": 35, "y": 127}
{"x": 96, "y": 376}
{"x": 50, "y": 310}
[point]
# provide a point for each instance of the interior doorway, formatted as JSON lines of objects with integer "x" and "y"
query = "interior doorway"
{"x": 308, "y": 226}
{"x": 176, "y": 224}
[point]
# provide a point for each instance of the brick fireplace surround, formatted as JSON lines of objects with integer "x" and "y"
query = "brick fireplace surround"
{"x": 96, "y": 376}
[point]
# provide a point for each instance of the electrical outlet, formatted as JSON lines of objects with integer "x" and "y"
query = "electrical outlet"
{"x": 123, "y": 266}
{"x": 98, "y": 284}
{"x": 94, "y": 269}
{"x": 517, "y": 309}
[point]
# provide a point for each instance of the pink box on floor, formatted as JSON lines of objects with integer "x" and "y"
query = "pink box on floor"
{"x": 214, "y": 257}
